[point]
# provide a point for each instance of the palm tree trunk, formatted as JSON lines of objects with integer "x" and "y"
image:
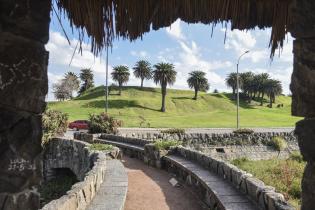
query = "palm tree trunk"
{"x": 142, "y": 83}
{"x": 163, "y": 98}
{"x": 196, "y": 94}
{"x": 234, "y": 94}
{"x": 270, "y": 102}
{"x": 120, "y": 86}
{"x": 262, "y": 99}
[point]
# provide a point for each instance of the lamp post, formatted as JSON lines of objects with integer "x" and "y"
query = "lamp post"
{"x": 106, "y": 94}
{"x": 237, "y": 91}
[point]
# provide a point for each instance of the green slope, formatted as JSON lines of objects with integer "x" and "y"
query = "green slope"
{"x": 210, "y": 110}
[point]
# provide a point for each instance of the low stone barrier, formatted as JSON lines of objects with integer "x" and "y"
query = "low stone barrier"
{"x": 129, "y": 140}
{"x": 86, "y": 137}
{"x": 88, "y": 166}
{"x": 265, "y": 196}
{"x": 205, "y": 139}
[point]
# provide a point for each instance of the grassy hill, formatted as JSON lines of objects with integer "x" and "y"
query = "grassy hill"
{"x": 210, "y": 110}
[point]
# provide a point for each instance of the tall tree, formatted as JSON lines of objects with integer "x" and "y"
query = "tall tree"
{"x": 247, "y": 83}
{"x": 61, "y": 91}
{"x": 231, "y": 81}
{"x": 273, "y": 88}
{"x": 263, "y": 79}
{"x": 87, "y": 78}
{"x": 121, "y": 75}
{"x": 142, "y": 70}
{"x": 71, "y": 80}
{"x": 197, "y": 80}
{"x": 164, "y": 74}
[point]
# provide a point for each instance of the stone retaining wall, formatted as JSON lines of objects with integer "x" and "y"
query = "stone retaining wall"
{"x": 130, "y": 140}
{"x": 89, "y": 167}
{"x": 264, "y": 195}
{"x": 205, "y": 139}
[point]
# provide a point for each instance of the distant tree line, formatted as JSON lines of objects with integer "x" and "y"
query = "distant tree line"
{"x": 163, "y": 74}
{"x": 255, "y": 86}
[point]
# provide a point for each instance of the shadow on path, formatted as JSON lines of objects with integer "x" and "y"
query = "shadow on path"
{"x": 149, "y": 189}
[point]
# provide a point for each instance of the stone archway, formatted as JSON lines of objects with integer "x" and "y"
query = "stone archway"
{"x": 24, "y": 31}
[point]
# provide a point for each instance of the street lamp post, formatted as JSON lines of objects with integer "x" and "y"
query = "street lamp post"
{"x": 237, "y": 91}
{"x": 106, "y": 95}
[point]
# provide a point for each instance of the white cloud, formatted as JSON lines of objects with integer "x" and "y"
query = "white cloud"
{"x": 175, "y": 30}
{"x": 140, "y": 54}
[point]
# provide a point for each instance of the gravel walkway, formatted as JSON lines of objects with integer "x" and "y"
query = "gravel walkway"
{"x": 149, "y": 189}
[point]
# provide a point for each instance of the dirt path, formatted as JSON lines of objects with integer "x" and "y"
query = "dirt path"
{"x": 149, "y": 189}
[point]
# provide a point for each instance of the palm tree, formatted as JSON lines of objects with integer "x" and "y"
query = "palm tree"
{"x": 164, "y": 74}
{"x": 121, "y": 75}
{"x": 142, "y": 70}
{"x": 87, "y": 78}
{"x": 247, "y": 84}
{"x": 273, "y": 88}
{"x": 231, "y": 81}
{"x": 198, "y": 81}
{"x": 263, "y": 78}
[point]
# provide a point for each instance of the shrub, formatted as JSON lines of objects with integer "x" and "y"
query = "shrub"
{"x": 54, "y": 123}
{"x": 101, "y": 147}
{"x": 174, "y": 131}
{"x": 295, "y": 189}
{"x": 103, "y": 123}
{"x": 166, "y": 144}
{"x": 244, "y": 131}
{"x": 278, "y": 143}
{"x": 297, "y": 157}
{"x": 239, "y": 161}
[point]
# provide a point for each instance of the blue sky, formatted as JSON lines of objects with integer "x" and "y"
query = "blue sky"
{"x": 188, "y": 47}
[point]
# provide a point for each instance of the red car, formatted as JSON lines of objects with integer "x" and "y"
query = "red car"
{"x": 79, "y": 124}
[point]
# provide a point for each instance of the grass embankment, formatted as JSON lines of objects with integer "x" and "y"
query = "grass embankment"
{"x": 284, "y": 175}
{"x": 210, "y": 110}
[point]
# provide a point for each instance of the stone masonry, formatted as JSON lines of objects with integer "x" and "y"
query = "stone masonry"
{"x": 24, "y": 31}
{"x": 303, "y": 91}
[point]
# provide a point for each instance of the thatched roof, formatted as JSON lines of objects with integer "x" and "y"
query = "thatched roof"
{"x": 105, "y": 20}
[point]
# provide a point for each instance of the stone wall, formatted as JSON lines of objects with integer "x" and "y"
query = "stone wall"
{"x": 264, "y": 195}
{"x": 86, "y": 137}
{"x": 63, "y": 153}
{"x": 130, "y": 140}
{"x": 88, "y": 166}
{"x": 24, "y": 31}
{"x": 205, "y": 139}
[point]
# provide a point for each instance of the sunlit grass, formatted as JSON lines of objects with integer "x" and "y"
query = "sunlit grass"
{"x": 210, "y": 110}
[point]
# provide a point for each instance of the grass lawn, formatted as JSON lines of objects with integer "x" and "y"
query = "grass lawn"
{"x": 210, "y": 110}
{"x": 284, "y": 175}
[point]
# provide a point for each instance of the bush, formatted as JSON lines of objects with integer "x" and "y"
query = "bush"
{"x": 297, "y": 157}
{"x": 166, "y": 144}
{"x": 244, "y": 131}
{"x": 295, "y": 189}
{"x": 174, "y": 131}
{"x": 278, "y": 143}
{"x": 101, "y": 147}
{"x": 54, "y": 123}
{"x": 103, "y": 123}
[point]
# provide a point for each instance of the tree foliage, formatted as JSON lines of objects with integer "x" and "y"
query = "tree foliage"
{"x": 121, "y": 75}
{"x": 87, "y": 79}
{"x": 197, "y": 80}
{"x": 164, "y": 74}
{"x": 256, "y": 86}
{"x": 142, "y": 70}
{"x": 65, "y": 87}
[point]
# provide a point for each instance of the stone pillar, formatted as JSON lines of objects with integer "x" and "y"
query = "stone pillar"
{"x": 24, "y": 31}
{"x": 303, "y": 91}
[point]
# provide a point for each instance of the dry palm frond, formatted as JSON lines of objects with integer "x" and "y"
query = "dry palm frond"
{"x": 104, "y": 20}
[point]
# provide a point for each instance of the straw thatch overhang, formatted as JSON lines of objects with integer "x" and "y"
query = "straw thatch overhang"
{"x": 104, "y": 20}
